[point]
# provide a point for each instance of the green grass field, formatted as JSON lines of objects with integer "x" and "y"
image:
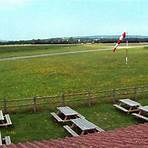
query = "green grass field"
{"x": 11, "y": 51}
{"x": 41, "y": 126}
{"x": 73, "y": 72}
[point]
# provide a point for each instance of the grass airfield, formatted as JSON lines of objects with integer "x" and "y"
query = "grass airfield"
{"x": 97, "y": 70}
{"x": 71, "y": 72}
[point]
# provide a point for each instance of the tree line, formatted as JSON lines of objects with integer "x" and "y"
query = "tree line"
{"x": 75, "y": 40}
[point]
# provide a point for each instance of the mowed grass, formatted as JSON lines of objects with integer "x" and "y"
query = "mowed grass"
{"x": 41, "y": 126}
{"x": 26, "y": 50}
{"x": 73, "y": 72}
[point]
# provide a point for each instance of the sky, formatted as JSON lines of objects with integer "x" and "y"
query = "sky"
{"x": 33, "y": 19}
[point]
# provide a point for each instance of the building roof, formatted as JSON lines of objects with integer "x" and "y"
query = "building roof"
{"x": 135, "y": 136}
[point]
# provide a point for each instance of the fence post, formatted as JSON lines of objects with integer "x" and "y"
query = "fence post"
{"x": 89, "y": 98}
{"x": 113, "y": 95}
{"x": 5, "y": 105}
{"x": 62, "y": 99}
{"x": 34, "y": 104}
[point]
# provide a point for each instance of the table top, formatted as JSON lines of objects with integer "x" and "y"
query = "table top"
{"x": 84, "y": 124}
{"x": 1, "y": 115}
{"x": 129, "y": 102}
{"x": 67, "y": 111}
{"x": 144, "y": 108}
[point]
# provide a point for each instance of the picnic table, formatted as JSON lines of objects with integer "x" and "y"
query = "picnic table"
{"x": 4, "y": 119}
{"x": 1, "y": 116}
{"x": 143, "y": 109}
{"x": 83, "y": 125}
{"x": 128, "y": 105}
{"x": 6, "y": 140}
{"x": 143, "y": 113}
{"x": 65, "y": 113}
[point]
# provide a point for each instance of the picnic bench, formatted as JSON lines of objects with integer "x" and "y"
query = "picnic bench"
{"x": 5, "y": 119}
{"x": 6, "y": 140}
{"x": 1, "y": 116}
{"x": 143, "y": 113}
{"x": 65, "y": 114}
{"x": 127, "y": 105}
{"x": 56, "y": 117}
{"x": 81, "y": 126}
{"x": 70, "y": 130}
{"x": 8, "y": 120}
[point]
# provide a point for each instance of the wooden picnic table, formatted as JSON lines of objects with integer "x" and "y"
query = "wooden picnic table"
{"x": 143, "y": 113}
{"x": 5, "y": 140}
{"x": 1, "y": 116}
{"x": 143, "y": 109}
{"x": 128, "y": 105}
{"x": 84, "y": 125}
{"x": 4, "y": 119}
{"x": 130, "y": 102}
{"x": 67, "y": 111}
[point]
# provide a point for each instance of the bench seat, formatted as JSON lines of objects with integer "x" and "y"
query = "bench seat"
{"x": 140, "y": 116}
{"x": 80, "y": 116}
{"x": 7, "y": 140}
{"x": 56, "y": 117}
{"x": 71, "y": 131}
{"x": 1, "y": 115}
{"x": 120, "y": 107}
{"x": 100, "y": 129}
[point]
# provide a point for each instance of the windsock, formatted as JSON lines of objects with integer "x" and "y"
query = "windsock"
{"x": 119, "y": 41}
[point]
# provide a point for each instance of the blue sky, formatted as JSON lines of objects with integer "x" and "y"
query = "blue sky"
{"x": 28, "y": 19}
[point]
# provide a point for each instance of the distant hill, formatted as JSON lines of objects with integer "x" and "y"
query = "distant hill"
{"x": 111, "y": 36}
{"x": 79, "y": 39}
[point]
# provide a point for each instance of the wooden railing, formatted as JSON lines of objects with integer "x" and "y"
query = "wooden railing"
{"x": 37, "y": 103}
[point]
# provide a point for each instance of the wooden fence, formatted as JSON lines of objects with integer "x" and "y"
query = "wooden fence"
{"x": 37, "y": 103}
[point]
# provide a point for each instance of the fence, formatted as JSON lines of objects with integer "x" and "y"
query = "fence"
{"x": 37, "y": 103}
